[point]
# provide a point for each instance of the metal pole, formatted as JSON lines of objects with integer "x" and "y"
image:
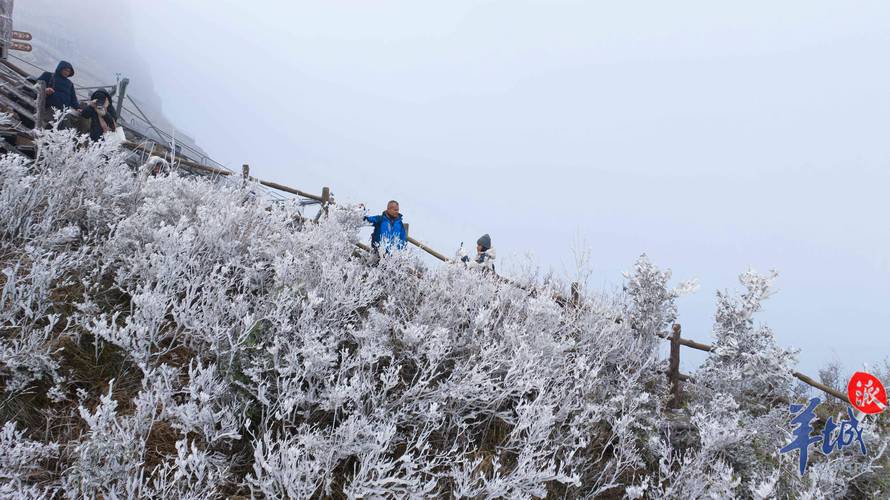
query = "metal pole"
{"x": 121, "y": 93}
{"x": 150, "y": 124}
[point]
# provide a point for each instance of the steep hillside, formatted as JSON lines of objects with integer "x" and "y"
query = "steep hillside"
{"x": 172, "y": 337}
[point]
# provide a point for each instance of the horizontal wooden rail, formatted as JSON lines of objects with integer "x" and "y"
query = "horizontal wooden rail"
{"x": 428, "y": 250}
{"x": 15, "y": 68}
{"x": 696, "y": 345}
{"x": 217, "y": 171}
{"x": 12, "y": 86}
{"x": 9, "y": 103}
{"x": 677, "y": 376}
{"x": 822, "y": 387}
{"x": 163, "y": 152}
{"x": 286, "y": 189}
{"x": 690, "y": 343}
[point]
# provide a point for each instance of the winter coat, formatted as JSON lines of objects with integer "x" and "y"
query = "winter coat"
{"x": 484, "y": 261}
{"x": 64, "y": 95}
{"x": 91, "y": 113}
{"x": 390, "y": 232}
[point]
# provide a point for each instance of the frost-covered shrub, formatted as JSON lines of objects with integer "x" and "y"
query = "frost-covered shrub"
{"x": 747, "y": 363}
{"x": 22, "y": 464}
{"x": 26, "y": 308}
{"x": 652, "y": 305}
{"x": 172, "y": 337}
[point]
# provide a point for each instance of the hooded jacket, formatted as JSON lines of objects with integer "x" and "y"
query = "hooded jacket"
{"x": 91, "y": 113}
{"x": 64, "y": 95}
{"x": 389, "y": 231}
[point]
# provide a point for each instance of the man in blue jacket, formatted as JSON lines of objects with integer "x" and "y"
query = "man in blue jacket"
{"x": 389, "y": 232}
{"x": 60, "y": 92}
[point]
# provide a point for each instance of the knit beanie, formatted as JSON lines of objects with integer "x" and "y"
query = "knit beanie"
{"x": 485, "y": 241}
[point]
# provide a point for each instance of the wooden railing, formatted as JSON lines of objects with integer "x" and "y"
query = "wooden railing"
{"x": 24, "y": 99}
{"x": 19, "y": 95}
{"x": 675, "y": 378}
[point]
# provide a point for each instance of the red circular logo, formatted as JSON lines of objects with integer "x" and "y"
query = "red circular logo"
{"x": 866, "y": 393}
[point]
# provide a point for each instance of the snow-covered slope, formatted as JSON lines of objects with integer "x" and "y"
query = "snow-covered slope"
{"x": 171, "y": 337}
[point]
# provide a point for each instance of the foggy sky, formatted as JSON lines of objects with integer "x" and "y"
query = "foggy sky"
{"x": 712, "y": 136}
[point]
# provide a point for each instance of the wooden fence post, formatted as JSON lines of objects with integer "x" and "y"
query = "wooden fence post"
{"x": 325, "y": 198}
{"x": 245, "y": 174}
{"x": 674, "y": 368}
{"x": 40, "y": 111}
{"x": 406, "y": 229}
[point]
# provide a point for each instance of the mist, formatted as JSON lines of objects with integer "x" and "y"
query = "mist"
{"x": 711, "y": 137}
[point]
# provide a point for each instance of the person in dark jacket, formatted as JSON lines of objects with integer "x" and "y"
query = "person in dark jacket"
{"x": 101, "y": 113}
{"x": 60, "y": 92}
{"x": 389, "y": 231}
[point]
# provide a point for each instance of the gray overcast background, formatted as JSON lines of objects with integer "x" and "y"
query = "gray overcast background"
{"x": 713, "y": 137}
